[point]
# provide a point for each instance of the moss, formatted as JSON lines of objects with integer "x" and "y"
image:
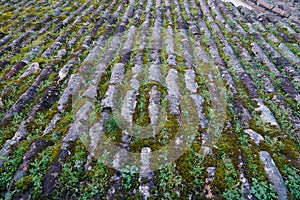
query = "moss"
{"x": 53, "y": 151}
{"x": 62, "y": 17}
{"x": 62, "y": 125}
{"x": 263, "y": 129}
{"x": 140, "y": 116}
{"x": 226, "y": 156}
{"x": 191, "y": 167}
{"x": 115, "y": 134}
{"x": 290, "y": 151}
{"x": 67, "y": 8}
{"x": 24, "y": 183}
{"x": 6, "y": 15}
{"x": 264, "y": 146}
{"x": 163, "y": 136}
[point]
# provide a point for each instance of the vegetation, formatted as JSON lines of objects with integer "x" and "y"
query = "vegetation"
{"x": 176, "y": 48}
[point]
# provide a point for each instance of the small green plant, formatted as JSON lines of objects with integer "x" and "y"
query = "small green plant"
{"x": 262, "y": 190}
{"x": 9, "y": 167}
{"x": 128, "y": 175}
{"x": 195, "y": 172}
{"x": 111, "y": 124}
{"x": 168, "y": 182}
{"x": 98, "y": 181}
{"x": 233, "y": 193}
{"x": 293, "y": 181}
{"x": 37, "y": 171}
{"x": 72, "y": 172}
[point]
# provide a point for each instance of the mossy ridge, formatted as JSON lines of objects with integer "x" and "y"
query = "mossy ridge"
{"x": 18, "y": 19}
{"x": 40, "y": 166}
{"x": 293, "y": 48}
{"x": 37, "y": 59}
{"x": 95, "y": 182}
{"x": 282, "y": 147}
{"x": 18, "y": 188}
{"x": 191, "y": 166}
{"x": 283, "y": 119}
{"x": 168, "y": 181}
{"x": 61, "y": 127}
{"x": 30, "y": 24}
{"x": 249, "y": 152}
{"x": 226, "y": 155}
{"x": 73, "y": 173}
{"x": 9, "y": 128}
{"x": 162, "y": 138}
{"x": 140, "y": 115}
{"x": 285, "y": 30}
{"x": 23, "y": 185}
{"x": 9, "y": 167}
{"x": 13, "y": 94}
{"x": 36, "y": 127}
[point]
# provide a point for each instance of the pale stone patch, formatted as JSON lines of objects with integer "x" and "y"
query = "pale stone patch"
{"x": 239, "y": 3}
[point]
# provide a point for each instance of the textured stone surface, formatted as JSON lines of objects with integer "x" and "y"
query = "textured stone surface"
{"x": 146, "y": 173}
{"x": 74, "y": 84}
{"x": 274, "y": 175}
{"x": 34, "y": 67}
{"x": 257, "y": 138}
{"x": 266, "y": 114}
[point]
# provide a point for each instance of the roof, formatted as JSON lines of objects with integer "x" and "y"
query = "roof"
{"x": 149, "y": 99}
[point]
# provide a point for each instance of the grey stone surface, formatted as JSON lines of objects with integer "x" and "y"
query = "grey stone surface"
{"x": 145, "y": 174}
{"x": 171, "y": 82}
{"x": 154, "y": 73}
{"x": 117, "y": 74}
{"x": 173, "y": 92}
{"x": 90, "y": 92}
{"x": 128, "y": 105}
{"x": 28, "y": 95}
{"x": 257, "y": 138}
{"x": 266, "y": 115}
{"x": 74, "y": 84}
{"x": 52, "y": 123}
{"x": 273, "y": 175}
{"x": 32, "y": 53}
{"x": 169, "y": 40}
{"x": 108, "y": 99}
{"x": 61, "y": 53}
{"x": 199, "y": 100}
{"x": 56, "y": 12}
{"x": 187, "y": 53}
{"x": 154, "y": 108}
{"x": 288, "y": 54}
{"x": 34, "y": 67}
{"x": 72, "y": 42}
{"x": 173, "y": 105}
{"x": 190, "y": 82}
{"x": 5, "y": 39}
{"x": 63, "y": 72}
{"x": 268, "y": 86}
